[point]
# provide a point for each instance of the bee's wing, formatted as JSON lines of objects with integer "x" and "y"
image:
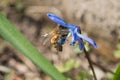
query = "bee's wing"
{"x": 46, "y": 39}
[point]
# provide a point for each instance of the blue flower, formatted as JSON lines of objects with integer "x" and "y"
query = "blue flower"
{"x": 74, "y": 30}
{"x": 77, "y": 36}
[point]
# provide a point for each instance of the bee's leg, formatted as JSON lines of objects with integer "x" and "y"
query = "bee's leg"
{"x": 59, "y": 47}
{"x": 63, "y": 39}
{"x": 67, "y": 37}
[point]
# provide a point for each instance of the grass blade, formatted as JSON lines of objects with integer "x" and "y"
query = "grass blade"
{"x": 13, "y": 36}
{"x": 117, "y": 74}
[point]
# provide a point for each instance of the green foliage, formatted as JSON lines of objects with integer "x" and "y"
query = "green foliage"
{"x": 117, "y": 52}
{"x": 83, "y": 75}
{"x": 77, "y": 50}
{"x": 13, "y": 36}
{"x": 117, "y": 74}
{"x": 69, "y": 65}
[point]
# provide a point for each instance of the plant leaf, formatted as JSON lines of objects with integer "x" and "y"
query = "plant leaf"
{"x": 117, "y": 74}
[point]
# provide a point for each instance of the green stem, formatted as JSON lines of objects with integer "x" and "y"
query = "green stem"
{"x": 90, "y": 63}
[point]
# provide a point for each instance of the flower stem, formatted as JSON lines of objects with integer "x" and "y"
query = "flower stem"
{"x": 90, "y": 63}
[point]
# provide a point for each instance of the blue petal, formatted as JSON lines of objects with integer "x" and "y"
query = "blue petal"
{"x": 92, "y": 42}
{"x": 72, "y": 26}
{"x": 76, "y": 38}
{"x": 57, "y": 19}
{"x": 81, "y": 45}
{"x": 73, "y": 38}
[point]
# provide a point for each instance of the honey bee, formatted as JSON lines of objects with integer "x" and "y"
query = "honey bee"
{"x": 58, "y": 37}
